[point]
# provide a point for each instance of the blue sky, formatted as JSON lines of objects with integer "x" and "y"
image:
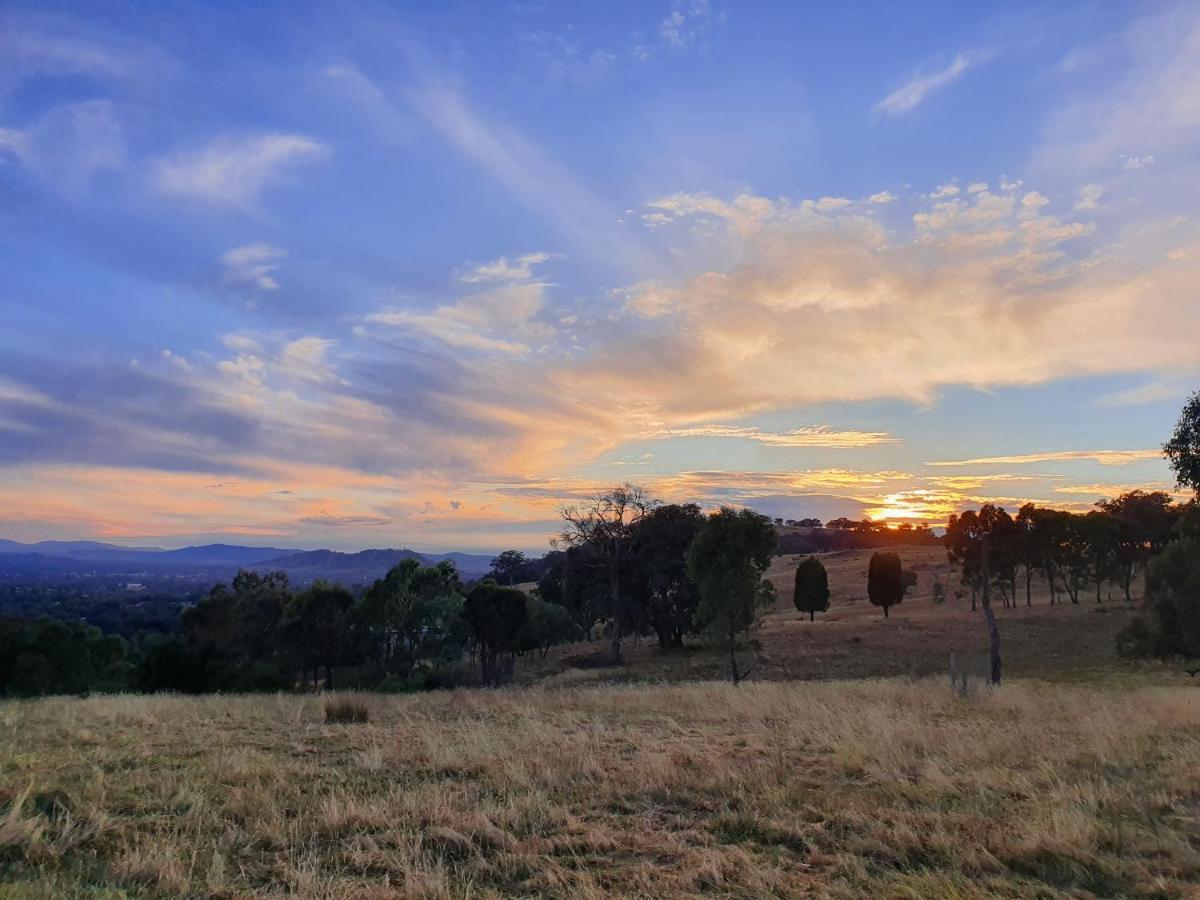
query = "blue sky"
{"x": 366, "y": 274}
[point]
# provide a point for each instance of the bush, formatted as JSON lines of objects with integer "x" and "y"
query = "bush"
{"x": 345, "y": 711}
{"x": 1173, "y": 600}
{"x": 1137, "y": 640}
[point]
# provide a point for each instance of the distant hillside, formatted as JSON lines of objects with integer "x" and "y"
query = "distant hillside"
{"x": 217, "y": 562}
{"x": 826, "y": 540}
{"x": 207, "y": 555}
{"x": 69, "y": 548}
{"x": 366, "y": 565}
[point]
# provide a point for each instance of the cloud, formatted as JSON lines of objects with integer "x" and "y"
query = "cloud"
{"x": 38, "y": 46}
{"x": 233, "y": 171}
{"x": 810, "y": 436}
{"x": 501, "y": 269}
{"x": 1104, "y": 457}
{"x": 69, "y": 145}
{"x": 686, "y": 25}
{"x": 1103, "y": 489}
{"x": 882, "y": 197}
{"x": 907, "y": 98}
{"x": 503, "y": 319}
{"x": 254, "y": 265}
{"x": 1151, "y": 392}
{"x": 1089, "y": 197}
{"x": 531, "y": 175}
{"x": 1141, "y": 109}
{"x": 327, "y": 521}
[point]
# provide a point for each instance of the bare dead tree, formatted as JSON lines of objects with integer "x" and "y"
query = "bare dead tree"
{"x": 604, "y": 522}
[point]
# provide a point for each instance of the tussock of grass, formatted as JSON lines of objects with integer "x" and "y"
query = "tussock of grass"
{"x": 880, "y": 788}
{"x": 346, "y": 710}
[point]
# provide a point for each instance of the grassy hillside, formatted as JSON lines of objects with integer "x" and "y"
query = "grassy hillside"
{"x": 1078, "y": 778}
{"x": 853, "y": 640}
{"x": 848, "y": 789}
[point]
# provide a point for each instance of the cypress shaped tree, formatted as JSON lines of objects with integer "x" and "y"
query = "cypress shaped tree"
{"x": 812, "y": 587}
{"x": 885, "y": 581}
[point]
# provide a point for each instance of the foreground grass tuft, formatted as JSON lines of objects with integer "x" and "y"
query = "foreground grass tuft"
{"x": 346, "y": 710}
{"x": 877, "y": 788}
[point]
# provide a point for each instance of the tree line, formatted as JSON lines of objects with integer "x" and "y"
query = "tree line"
{"x": 628, "y": 565}
{"x": 623, "y": 564}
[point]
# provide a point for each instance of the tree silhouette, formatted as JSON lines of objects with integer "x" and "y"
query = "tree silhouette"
{"x": 1183, "y": 449}
{"x": 727, "y": 561}
{"x": 885, "y": 581}
{"x": 604, "y": 523}
{"x": 812, "y": 587}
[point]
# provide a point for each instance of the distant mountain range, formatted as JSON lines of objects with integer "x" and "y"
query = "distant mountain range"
{"x": 220, "y": 560}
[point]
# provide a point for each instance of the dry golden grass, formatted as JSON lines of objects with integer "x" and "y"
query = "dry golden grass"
{"x": 889, "y": 788}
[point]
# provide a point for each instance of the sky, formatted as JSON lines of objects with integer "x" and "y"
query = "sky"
{"x": 369, "y": 275}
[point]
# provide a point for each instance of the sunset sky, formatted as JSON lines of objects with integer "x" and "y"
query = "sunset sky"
{"x": 369, "y": 275}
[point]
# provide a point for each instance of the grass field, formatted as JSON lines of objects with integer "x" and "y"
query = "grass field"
{"x": 851, "y": 789}
{"x": 1080, "y": 777}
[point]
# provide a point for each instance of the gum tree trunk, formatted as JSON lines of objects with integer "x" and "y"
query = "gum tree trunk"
{"x": 990, "y": 616}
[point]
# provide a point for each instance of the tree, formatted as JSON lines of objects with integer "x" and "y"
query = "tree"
{"x": 727, "y": 561}
{"x": 1102, "y": 536}
{"x": 258, "y": 605}
{"x": 506, "y": 566}
{"x": 575, "y": 580}
{"x": 1183, "y": 449}
{"x": 812, "y": 587}
{"x": 962, "y": 541}
{"x": 1142, "y": 526}
{"x": 1073, "y": 552}
{"x": 410, "y": 615}
{"x": 546, "y": 625}
{"x": 885, "y": 581}
{"x": 842, "y": 524}
{"x": 496, "y": 616}
{"x": 1028, "y": 554}
{"x": 1173, "y": 595}
{"x": 316, "y": 623}
{"x": 604, "y": 523}
{"x": 658, "y": 580}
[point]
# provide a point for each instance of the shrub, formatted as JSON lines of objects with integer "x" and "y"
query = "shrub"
{"x": 1136, "y": 640}
{"x": 345, "y": 711}
{"x": 1173, "y": 599}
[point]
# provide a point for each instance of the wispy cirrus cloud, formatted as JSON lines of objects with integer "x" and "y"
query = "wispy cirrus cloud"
{"x": 234, "y": 171}
{"x": 1104, "y": 457}
{"x": 253, "y": 265}
{"x": 1106, "y": 489}
{"x": 1151, "y": 392}
{"x": 518, "y": 269}
{"x": 809, "y": 436}
{"x": 905, "y": 99}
